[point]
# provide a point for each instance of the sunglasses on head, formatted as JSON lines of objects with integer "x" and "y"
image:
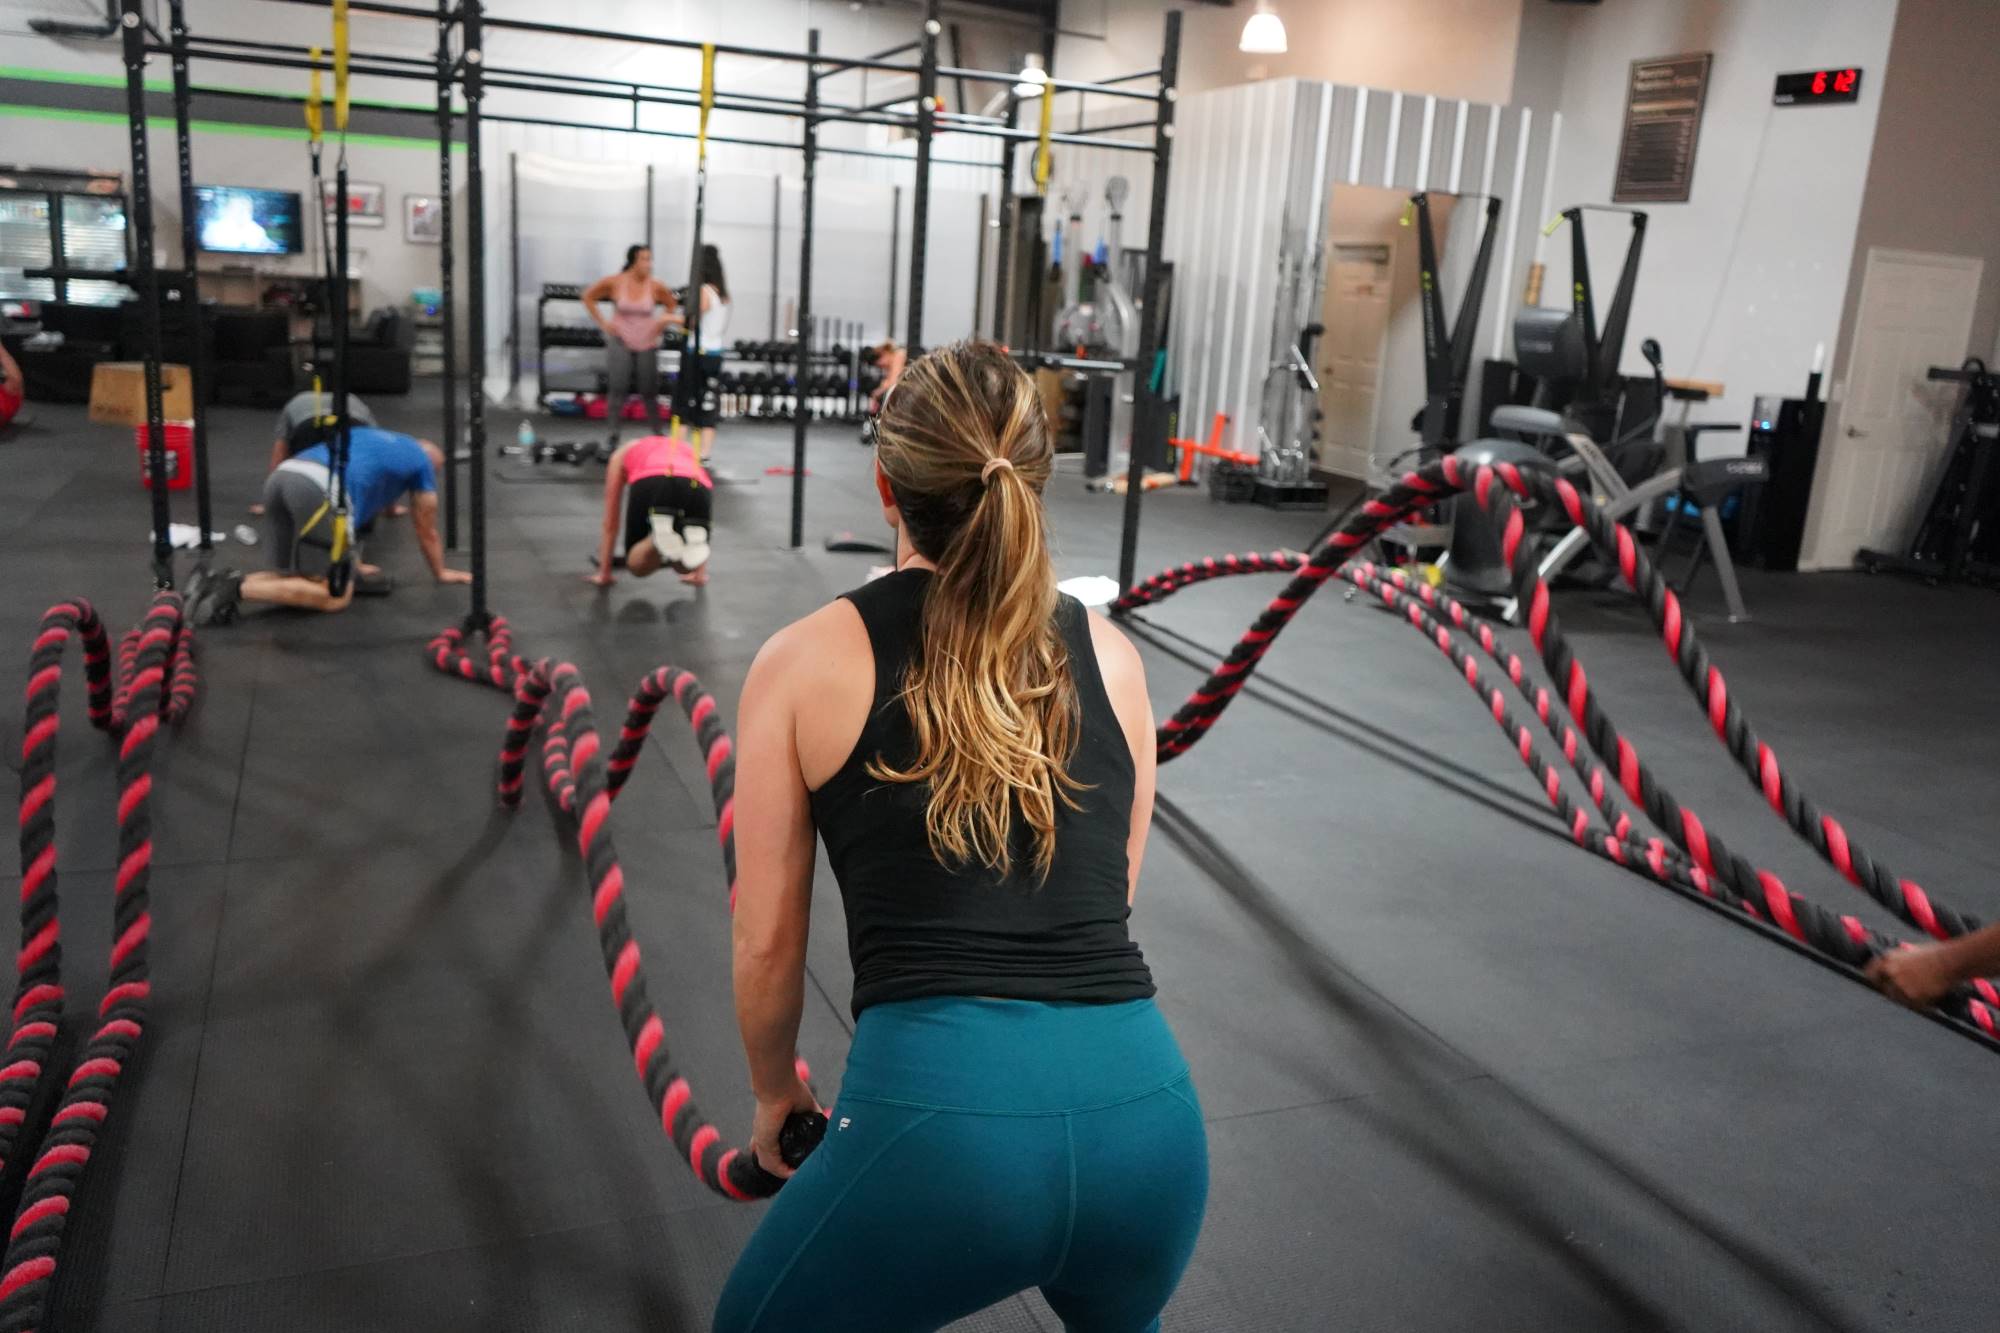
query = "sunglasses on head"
{"x": 870, "y": 434}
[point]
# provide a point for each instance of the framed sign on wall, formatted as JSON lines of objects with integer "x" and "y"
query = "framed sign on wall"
{"x": 423, "y": 219}
{"x": 1662, "y": 125}
{"x": 364, "y": 203}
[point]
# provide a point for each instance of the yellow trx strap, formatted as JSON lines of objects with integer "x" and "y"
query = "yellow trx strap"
{"x": 707, "y": 99}
{"x": 1044, "y": 162}
{"x": 315, "y": 124}
{"x": 340, "y": 66}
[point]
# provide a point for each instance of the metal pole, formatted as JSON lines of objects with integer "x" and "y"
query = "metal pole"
{"x": 1004, "y": 254}
{"x": 471, "y": 12}
{"x": 811, "y": 151}
{"x": 447, "y": 316}
{"x": 132, "y": 19}
{"x": 777, "y": 232}
{"x": 979, "y": 263}
{"x": 1148, "y": 402}
{"x": 649, "y": 206}
{"x": 513, "y": 278}
{"x": 920, "y": 200}
{"x": 190, "y": 280}
{"x": 895, "y": 253}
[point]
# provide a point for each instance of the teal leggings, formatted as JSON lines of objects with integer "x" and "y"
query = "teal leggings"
{"x": 979, "y": 1148}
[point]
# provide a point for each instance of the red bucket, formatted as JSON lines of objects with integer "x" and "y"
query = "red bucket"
{"x": 180, "y": 455}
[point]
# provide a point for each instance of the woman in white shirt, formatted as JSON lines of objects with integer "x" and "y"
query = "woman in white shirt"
{"x": 698, "y": 401}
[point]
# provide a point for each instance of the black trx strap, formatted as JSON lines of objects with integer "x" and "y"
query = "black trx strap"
{"x": 340, "y": 566}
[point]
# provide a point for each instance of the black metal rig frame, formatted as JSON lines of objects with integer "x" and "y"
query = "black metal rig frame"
{"x": 1447, "y": 347}
{"x": 467, "y": 70}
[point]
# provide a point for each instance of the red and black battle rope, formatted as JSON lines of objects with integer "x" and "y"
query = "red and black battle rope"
{"x": 1170, "y": 581}
{"x": 155, "y": 683}
{"x": 583, "y": 781}
{"x": 1845, "y": 938}
{"x": 1709, "y": 855}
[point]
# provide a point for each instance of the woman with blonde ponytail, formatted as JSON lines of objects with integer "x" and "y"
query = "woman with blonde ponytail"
{"x": 976, "y": 752}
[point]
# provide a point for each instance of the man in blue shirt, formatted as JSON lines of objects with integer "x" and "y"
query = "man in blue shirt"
{"x": 382, "y": 466}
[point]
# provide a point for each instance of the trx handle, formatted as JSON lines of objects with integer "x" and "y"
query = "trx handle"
{"x": 1554, "y": 223}
{"x": 707, "y": 99}
{"x": 339, "y": 66}
{"x": 1044, "y": 161}
{"x": 315, "y": 97}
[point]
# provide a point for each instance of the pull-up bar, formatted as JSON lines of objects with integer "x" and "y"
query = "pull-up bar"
{"x": 604, "y": 35}
{"x": 1060, "y": 85}
{"x": 841, "y": 66}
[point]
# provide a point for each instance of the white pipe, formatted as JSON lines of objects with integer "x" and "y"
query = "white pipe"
{"x": 1513, "y": 230}
{"x": 1360, "y": 136}
{"x": 1458, "y": 147}
{"x": 1395, "y": 133}
{"x": 1424, "y": 144}
{"x": 1548, "y": 184}
{"x": 1492, "y": 144}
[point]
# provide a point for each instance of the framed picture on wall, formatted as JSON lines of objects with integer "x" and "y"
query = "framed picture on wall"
{"x": 364, "y": 203}
{"x": 423, "y": 219}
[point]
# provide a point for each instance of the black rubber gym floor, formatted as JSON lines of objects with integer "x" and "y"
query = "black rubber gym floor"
{"x": 1459, "y": 1074}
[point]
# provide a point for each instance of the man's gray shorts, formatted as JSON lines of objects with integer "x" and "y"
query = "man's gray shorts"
{"x": 300, "y": 535}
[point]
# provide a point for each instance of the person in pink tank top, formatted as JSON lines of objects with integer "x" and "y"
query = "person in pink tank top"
{"x": 632, "y": 333}
{"x": 667, "y": 501}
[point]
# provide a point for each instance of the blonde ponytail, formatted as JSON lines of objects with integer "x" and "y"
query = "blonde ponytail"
{"x": 966, "y": 450}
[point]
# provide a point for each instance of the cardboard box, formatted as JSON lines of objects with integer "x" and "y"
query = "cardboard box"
{"x": 1049, "y": 386}
{"x": 118, "y": 393}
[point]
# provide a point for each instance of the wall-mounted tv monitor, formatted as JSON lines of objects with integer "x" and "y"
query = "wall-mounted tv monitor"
{"x": 235, "y": 220}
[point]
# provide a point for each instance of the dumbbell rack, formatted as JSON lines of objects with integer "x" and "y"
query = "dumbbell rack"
{"x": 759, "y": 381}
{"x": 571, "y": 337}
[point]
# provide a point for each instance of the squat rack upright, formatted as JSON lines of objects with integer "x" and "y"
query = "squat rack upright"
{"x": 467, "y": 70}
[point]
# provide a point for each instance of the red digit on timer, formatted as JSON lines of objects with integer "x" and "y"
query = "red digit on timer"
{"x": 1819, "y": 82}
{"x": 1844, "y": 81}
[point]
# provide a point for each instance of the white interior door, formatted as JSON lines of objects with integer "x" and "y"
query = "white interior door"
{"x": 1350, "y": 355}
{"x": 1890, "y": 431}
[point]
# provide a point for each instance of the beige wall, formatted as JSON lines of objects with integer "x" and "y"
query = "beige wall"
{"x": 1932, "y": 183}
{"x": 1745, "y": 278}
{"x": 1453, "y": 48}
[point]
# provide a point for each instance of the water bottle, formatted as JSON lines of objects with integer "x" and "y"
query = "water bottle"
{"x": 524, "y": 437}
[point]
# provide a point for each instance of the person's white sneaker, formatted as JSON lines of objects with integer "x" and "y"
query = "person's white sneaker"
{"x": 694, "y": 553}
{"x": 666, "y": 541}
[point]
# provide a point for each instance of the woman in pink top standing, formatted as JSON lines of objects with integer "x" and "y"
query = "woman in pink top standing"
{"x": 632, "y": 333}
{"x": 668, "y": 506}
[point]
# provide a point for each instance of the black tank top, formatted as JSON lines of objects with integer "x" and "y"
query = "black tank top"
{"x": 916, "y": 927}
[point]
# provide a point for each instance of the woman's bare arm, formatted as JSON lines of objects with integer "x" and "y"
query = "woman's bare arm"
{"x": 1124, "y": 674}
{"x": 604, "y": 289}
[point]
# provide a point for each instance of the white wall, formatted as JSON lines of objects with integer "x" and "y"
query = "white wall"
{"x": 1452, "y": 48}
{"x": 964, "y": 165}
{"x": 1742, "y": 281}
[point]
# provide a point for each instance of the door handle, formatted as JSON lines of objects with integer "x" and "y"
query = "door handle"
{"x": 1854, "y": 434}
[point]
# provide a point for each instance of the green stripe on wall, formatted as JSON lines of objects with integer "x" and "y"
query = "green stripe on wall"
{"x": 81, "y": 79}
{"x": 165, "y": 124}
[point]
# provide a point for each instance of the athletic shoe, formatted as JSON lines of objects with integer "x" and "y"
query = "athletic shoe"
{"x": 213, "y": 598}
{"x": 666, "y": 540}
{"x": 694, "y": 549}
